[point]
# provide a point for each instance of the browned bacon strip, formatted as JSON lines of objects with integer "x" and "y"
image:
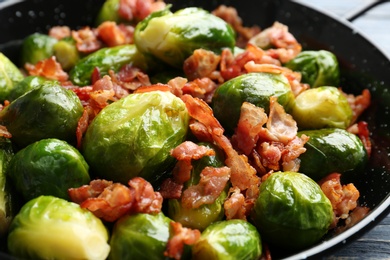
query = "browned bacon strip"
{"x": 48, "y": 68}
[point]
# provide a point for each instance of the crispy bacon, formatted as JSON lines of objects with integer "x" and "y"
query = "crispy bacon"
{"x": 155, "y": 87}
{"x": 113, "y": 35}
{"x": 82, "y": 126}
{"x": 181, "y": 236}
{"x": 200, "y": 64}
{"x": 129, "y": 78}
{"x": 4, "y": 132}
{"x": 191, "y": 151}
{"x": 146, "y": 199}
{"x": 137, "y": 10}
{"x": 234, "y": 206}
{"x": 358, "y": 103}
{"x": 202, "y": 88}
{"x": 86, "y": 40}
{"x": 93, "y": 190}
{"x": 48, "y": 68}
{"x": 60, "y": 32}
{"x": 171, "y": 189}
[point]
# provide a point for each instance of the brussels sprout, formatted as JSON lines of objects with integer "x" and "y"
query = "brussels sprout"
{"x": 199, "y": 218}
{"x": 229, "y": 239}
{"x": 48, "y": 167}
{"x": 291, "y": 211}
{"x": 172, "y": 37}
{"x": 37, "y": 47}
{"x": 256, "y": 88}
{"x": 109, "y": 12}
{"x": 27, "y": 84}
{"x": 133, "y": 136}
{"x": 10, "y": 75}
{"x": 105, "y": 59}
{"x": 52, "y": 228}
{"x": 47, "y": 111}
{"x": 332, "y": 150}
{"x": 322, "y": 107}
{"x": 66, "y": 53}
{"x": 140, "y": 236}
{"x": 318, "y": 68}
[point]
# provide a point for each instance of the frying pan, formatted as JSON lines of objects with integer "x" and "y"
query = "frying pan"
{"x": 363, "y": 65}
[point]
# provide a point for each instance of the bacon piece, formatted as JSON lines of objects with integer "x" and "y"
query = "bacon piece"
{"x": 146, "y": 199}
{"x": 212, "y": 182}
{"x": 4, "y": 132}
{"x": 82, "y": 126}
{"x": 359, "y": 103}
{"x": 292, "y": 151}
{"x": 181, "y": 236}
{"x": 110, "y": 34}
{"x": 60, "y": 32}
{"x": 200, "y": 64}
{"x": 86, "y": 40}
{"x": 155, "y": 87}
{"x": 189, "y": 150}
{"x": 137, "y": 10}
{"x": 130, "y": 78}
{"x": 202, "y": 88}
{"x": 234, "y": 206}
{"x": 48, "y": 68}
{"x": 95, "y": 187}
{"x": 171, "y": 189}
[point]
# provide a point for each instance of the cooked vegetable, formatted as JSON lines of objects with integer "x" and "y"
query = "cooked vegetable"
{"x": 26, "y": 84}
{"x": 199, "y": 218}
{"x": 48, "y": 167}
{"x": 229, "y": 239}
{"x": 47, "y": 111}
{"x": 291, "y": 211}
{"x": 66, "y": 53}
{"x": 256, "y": 88}
{"x": 140, "y": 236}
{"x": 172, "y": 37}
{"x": 10, "y": 75}
{"x": 133, "y": 136}
{"x": 332, "y": 150}
{"x": 108, "y": 12}
{"x": 106, "y": 59}
{"x": 51, "y": 228}
{"x": 322, "y": 107}
{"x": 37, "y": 47}
{"x": 318, "y": 68}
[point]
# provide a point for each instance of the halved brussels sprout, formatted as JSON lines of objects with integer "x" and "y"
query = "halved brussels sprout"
{"x": 10, "y": 75}
{"x": 318, "y": 68}
{"x": 133, "y": 136}
{"x": 47, "y": 111}
{"x": 66, "y": 53}
{"x": 52, "y": 228}
{"x": 105, "y": 59}
{"x": 229, "y": 239}
{"x": 48, "y": 167}
{"x": 37, "y": 47}
{"x": 291, "y": 211}
{"x": 200, "y": 218}
{"x": 172, "y": 37}
{"x": 332, "y": 150}
{"x": 27, "y": 84}
{"x": 256, "y": 88}
{"x": 140, "y": 236}
{"x": 322, "y": 107}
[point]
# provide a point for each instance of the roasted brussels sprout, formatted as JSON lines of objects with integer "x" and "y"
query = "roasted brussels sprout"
{"x": 28, "y": 83}
{"x": 48, "y": 167}
{"x": 322, "y": 107}
{"x": 332, "y": 150}
{"x": 105, "y": 59}
{"x": 47, "y": 111}
{"x": 291, "y": 211}
{"x": 133, "y": 136}
{"x": 318, "y": 68}
{"x": 256, "y": 88}
{"x": 10, "y": 75}
{"x": 172, "y": 37}
{"x": 140, "y": 236}
{"x": 229, "y": 239}
{"x": 37, "y": 47}
{"x": 108, "y": 12}
{"x": 52, "y": 228}
{"x": 66, "y": 53}
{"x": 199, "y": 218}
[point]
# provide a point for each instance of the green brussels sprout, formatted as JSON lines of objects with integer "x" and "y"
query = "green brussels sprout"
{"x": 48, "y": 167}
{"x": 27, "y": 84}
{"x": 318, "y": 68}
{"x": 52, "y": 228}
{"x": 173, "y": 37}
{"x": 322, "y": 107}
{"x": 134, "y": 135}
{"x": 332, "y": 150}
{"x": 140, "y": 236}
{"x": 47, "y": 111}
{"x": 291, "y": 211}
{"x": 105, "y": 59}
{"x": 37, "y": 47}
{"x": 229, "y": 239}
{"x": 200, "y": 218}
{"x": 256, "y": 88}
{"x": 109, "y": 12}
{"x": 66, "y": 53}
{"x": 10, "y": 75}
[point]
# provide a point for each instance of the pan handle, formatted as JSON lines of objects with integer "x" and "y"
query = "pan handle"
{"x": 361, "y": 10}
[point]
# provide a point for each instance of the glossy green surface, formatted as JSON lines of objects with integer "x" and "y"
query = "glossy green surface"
{"x": 332, "y": 150}
{"x": 66, "y": 53}
{"x": 51, "y": 228}
{"x": 10, "y": 75}
{"x": 172, "y": 37}
{"x": 255, "y": 88}
{"x": 108, "y": 12}
{"x": 36, "y": 47}
{"x": 133, "y": 136}
{"x": 27, "y": 84}
{"x": 291, "y": 211}
{"x": 230, "y": 239}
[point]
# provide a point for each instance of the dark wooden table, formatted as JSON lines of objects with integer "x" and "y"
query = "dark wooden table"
{"x": 375, "y": 25}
